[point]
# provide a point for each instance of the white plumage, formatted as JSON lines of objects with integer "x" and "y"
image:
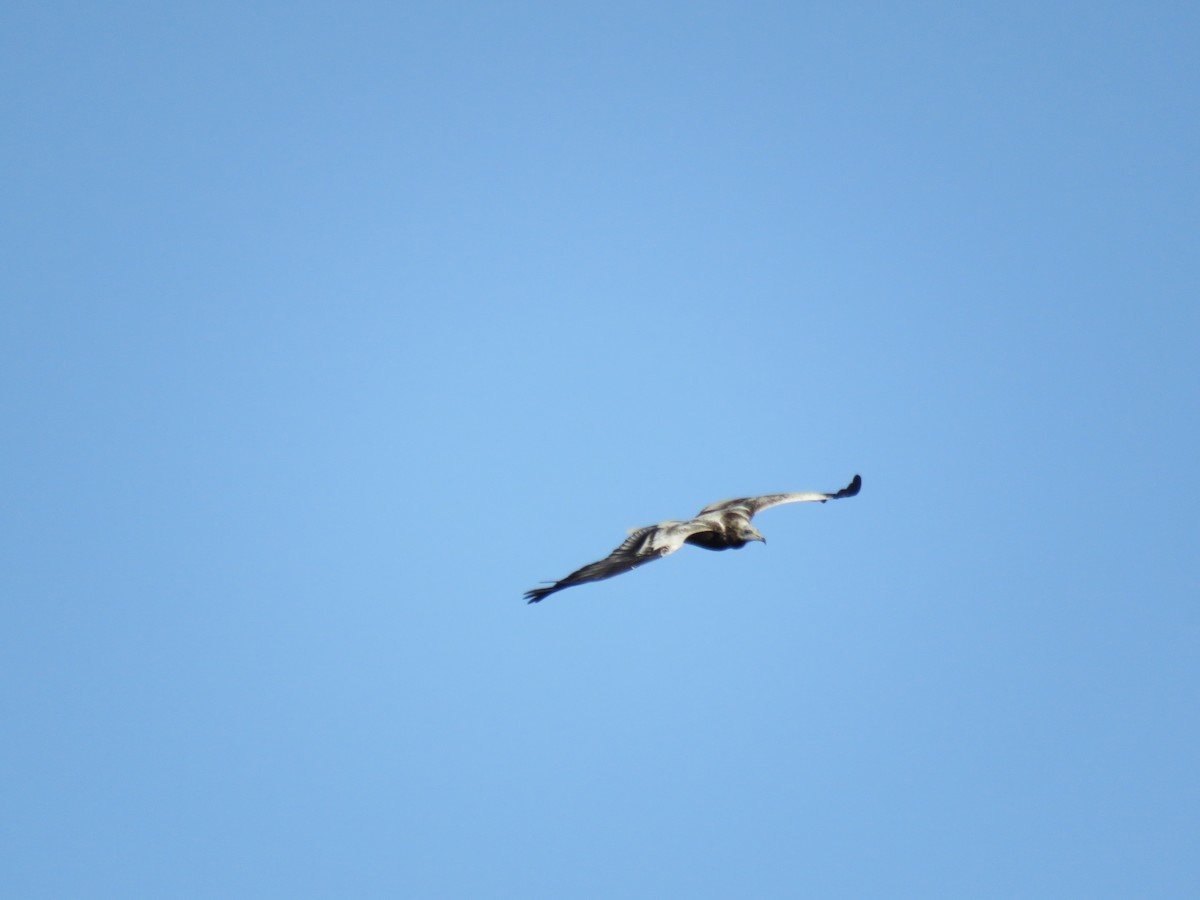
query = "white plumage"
{"x": 719, "y": 526}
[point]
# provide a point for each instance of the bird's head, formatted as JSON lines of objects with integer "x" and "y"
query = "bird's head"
{"x": 749, "y": 533}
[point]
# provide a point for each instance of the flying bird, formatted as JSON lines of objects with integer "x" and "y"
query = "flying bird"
{"x": 719, "y": 526}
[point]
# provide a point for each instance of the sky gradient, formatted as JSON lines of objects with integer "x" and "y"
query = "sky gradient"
{"x": 330, "y": 329}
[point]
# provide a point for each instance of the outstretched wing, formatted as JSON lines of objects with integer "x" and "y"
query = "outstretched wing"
{"x": 642, "y": 546}
{"x": 754, "y": 505}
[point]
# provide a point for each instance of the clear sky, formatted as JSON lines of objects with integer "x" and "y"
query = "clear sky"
{"x": 329, "y": 329}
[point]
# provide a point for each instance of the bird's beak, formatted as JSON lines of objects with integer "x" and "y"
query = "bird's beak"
{"x": 761, "y": 538}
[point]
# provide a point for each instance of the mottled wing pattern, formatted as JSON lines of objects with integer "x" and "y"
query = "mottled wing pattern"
{"x": 755, "y": 505}
{"x": 642, "y": 546}
{"x": 633, "y": 552}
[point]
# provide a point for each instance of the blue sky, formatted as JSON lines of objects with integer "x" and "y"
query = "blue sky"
{"x": 332, "y": 328}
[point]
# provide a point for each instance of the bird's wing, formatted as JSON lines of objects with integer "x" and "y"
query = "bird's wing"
{"x": 754, "y": 505}
{"x": 642, "y": 546}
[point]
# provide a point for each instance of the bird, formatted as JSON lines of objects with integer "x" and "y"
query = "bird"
{"x": 719, "y": 526}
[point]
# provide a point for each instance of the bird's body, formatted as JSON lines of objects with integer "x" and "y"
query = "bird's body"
{"x": 719, "y": 526}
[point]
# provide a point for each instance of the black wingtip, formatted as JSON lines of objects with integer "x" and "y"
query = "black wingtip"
{"x": 537, "y": 595}
{"x": 849, "y": 490}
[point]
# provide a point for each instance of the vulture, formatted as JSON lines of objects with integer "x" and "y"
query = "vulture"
{"x": 719, "y": 526}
